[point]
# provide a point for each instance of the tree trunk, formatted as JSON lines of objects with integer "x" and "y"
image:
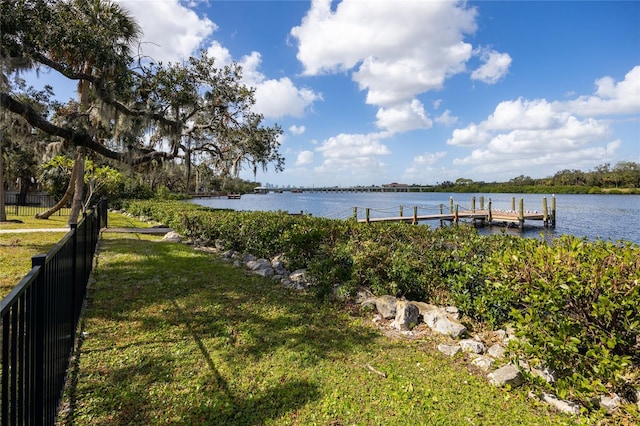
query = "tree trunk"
{"x": 78, "y": 194}
{"x": 67, "y": 195}
{"x": 3, "y": 213}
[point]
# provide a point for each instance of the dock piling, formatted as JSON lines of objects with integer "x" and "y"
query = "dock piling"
{"x": 415, "y": 215}
{"x": 521, "y": 214}
{"x": 545, "y": 213}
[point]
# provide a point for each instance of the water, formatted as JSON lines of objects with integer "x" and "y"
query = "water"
{"x": 614, "y": 217}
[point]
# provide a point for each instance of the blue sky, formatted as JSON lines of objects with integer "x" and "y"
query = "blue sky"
{"x": 371, "y": 92}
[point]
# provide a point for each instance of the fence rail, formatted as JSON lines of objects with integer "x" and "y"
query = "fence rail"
{"x": 39, "y": 321}
{"x": 17, "y": 204}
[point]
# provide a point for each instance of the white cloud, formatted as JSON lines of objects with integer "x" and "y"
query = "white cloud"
{"x": 446, "y": 119}
{"x": 611, "y": 97}
{"x": 171, "y": 31}
{"x": 274, "y": 98}
{"x": 220, "y": 53}
{"x": 521, "y": 134}
{"x": 357, "y": 154}
{"x": 495, "y": 66}
{"x": 400, "y": 49}
{"x": 297, "y": 130}
{"x": 421, "y": 166}
{"x": 278, "y": 98}
{"x": 304, "y": 158}
{"x": 403, "y": 117}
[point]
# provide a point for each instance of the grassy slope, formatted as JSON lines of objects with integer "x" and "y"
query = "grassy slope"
{"x": 176, "y": 336}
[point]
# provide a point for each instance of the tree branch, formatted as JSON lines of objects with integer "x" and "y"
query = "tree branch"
{"x": 77, "y": 138}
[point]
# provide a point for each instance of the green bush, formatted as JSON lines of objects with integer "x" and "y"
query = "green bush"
{"x": 577, "y": 305}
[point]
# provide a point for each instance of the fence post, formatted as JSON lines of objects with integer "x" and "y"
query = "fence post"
{"x": 355, "y": 213}
{"x": 102, "y": 210}
{"x": 545, "y": 212}
{"x": 415, "y": 215}
{"x": 367, "y": 215}
{"x": 401, "y": 210}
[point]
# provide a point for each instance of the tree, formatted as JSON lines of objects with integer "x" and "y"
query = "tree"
{"x": 132, "y": 111}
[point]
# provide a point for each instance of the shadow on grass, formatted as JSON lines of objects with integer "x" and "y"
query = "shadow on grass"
{"x": 164, "y": 312}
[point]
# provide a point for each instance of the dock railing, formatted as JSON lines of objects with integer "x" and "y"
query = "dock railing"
{"x": 39, "y": 321}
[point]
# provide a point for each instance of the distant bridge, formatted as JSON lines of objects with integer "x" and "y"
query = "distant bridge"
{"x": 356, "y": 189}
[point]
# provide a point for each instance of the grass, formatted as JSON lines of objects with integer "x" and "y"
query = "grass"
{"x": 172, "y": 335}
{"x": 22, "y": 222}
{"x": 16, "y": 249}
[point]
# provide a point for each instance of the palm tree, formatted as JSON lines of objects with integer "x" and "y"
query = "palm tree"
{"x": 111, "y": 31}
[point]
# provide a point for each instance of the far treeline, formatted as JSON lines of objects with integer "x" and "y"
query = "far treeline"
{"x": 623, "y": 178}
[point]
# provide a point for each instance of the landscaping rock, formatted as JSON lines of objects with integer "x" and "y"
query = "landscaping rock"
{"x": 172, "y": 237}
{"x": 386, "y": 306}
{"x": 265, "y": 272}
{"x": 496, "y": 351}
{"x": 483, "y": 362}
{"x": 299, "y": 276}
{"x": 567, "y": 407}
{"x": 293, "y": 285}
{"x": 506, "y": 375}
{"x": 260, "y": 264}
{"x": 406, "y": 315}
{"x": 424, "y": 308}
{"x": 439, "y": 322}
{"x": 453, "y": 312}
{"x": 449, "y": 350}
{"x": 470, "y": 345}
{"x": 611, "y": 402}
{"x": 248, "y": 257}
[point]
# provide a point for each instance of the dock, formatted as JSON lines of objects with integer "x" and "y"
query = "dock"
{"x": 481, "y": 216}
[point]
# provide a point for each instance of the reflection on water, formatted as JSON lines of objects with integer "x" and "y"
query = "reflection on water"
{"x": 612, "y": 217}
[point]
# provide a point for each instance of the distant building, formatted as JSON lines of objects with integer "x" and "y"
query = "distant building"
{"x": 395, "y": 185}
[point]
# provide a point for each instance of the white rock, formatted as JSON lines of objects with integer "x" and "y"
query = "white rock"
{"x": 611, "y": 402}
{"x": 496, "y": 351}
{"x": 439, "y": 322}
{"x": 506, "y": 375}
{"x": 470, "y": 345}
{"x": 567, "y": 407}
{"x": 449, "y": 350}
{"x": 386, "y": 306}
{"x": 483, "y": 362}
{"x": 172, "y": 237}
{"x": 406, "y": 315}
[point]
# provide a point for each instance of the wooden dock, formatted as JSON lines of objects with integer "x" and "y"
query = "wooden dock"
{"x": 482, "y": 216}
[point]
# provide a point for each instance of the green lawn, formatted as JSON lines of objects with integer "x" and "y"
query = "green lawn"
{"x": 16, "y": 249}
{"x": 176, "y": 336}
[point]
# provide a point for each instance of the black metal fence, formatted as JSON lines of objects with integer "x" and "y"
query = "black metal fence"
{"x": 39, "y": 321}
{"x": 17, "y": 204}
